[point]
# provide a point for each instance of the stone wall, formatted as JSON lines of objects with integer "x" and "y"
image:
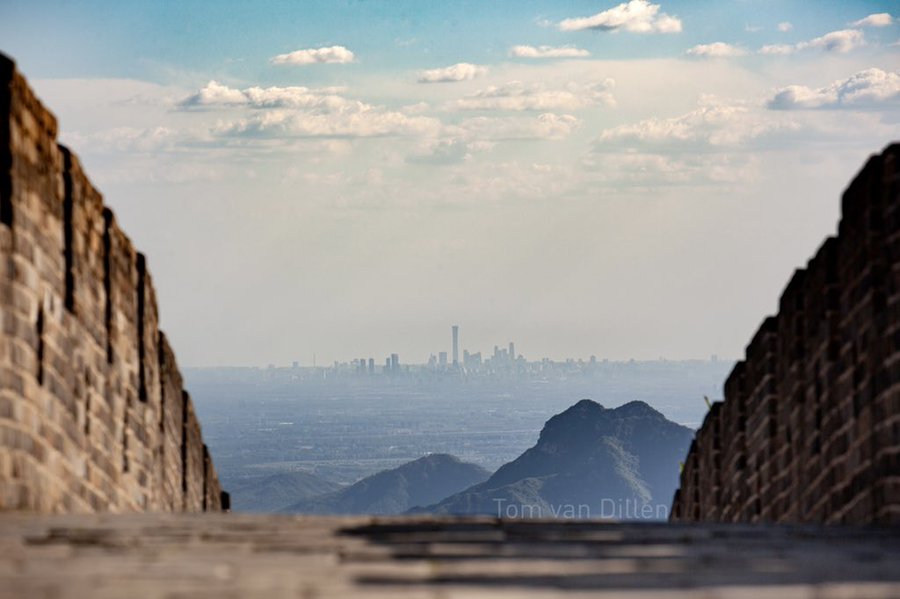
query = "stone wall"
{"x": 809, "y": 430}
{"x": 93, "y": 416}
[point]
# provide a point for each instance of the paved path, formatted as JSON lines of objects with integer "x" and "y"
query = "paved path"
{"x": 234, "y": 555}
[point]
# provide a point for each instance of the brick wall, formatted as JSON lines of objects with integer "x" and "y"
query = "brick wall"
{"x": 810, "y": 425}
{"x": 93, "y": 416}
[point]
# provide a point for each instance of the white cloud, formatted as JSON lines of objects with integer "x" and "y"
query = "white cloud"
{"x": 639, "y": 170}
{"x": 837, "y": 41}
{"x": 544, "y": 126}
{"x": 867, "y": 88}
{"x": 300, "y": 112}
{"x": 718, "y": 143}
{"x": 440, "y": 152}
{"x": 841, "y": 41}
{"x": 716, "y": 50}
{"x": 516, "y": 95}
{"x": 458, "y": 72}
{"x": 714, "y": 123}
{"x": 778, "y": 49}
{"x": 324, "y": 99}
{"x": 881, "y": 19}
{"x": 367, "y": 122}
{"x": 636, "y": 16}
{"x": 295, "y": 112}
{"x": 784, "y": 27}
{"x": 417, "y": 108}
{"x": 215, "y": 94}
{"x": 332, "y": 54}
{"x": 458, "y": 142}
{"x": 547, "y": 52}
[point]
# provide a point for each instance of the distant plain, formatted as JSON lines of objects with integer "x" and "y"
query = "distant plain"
{"x": 259, "y": 422}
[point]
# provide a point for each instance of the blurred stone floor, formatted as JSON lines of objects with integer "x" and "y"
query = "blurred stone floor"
{"x": 235, "y": 555}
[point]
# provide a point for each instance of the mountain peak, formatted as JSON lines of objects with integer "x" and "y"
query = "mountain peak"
{"x": 432, "y": 460}
{"x": 637, "y": 408}
{"x": 577, "y": 420}
{"x": 423, "y": 481}
{"x": 589, "y": 456}
{"x": 586, "y": 404}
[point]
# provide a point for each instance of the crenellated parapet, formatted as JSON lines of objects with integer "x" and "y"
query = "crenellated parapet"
{"x": 93, "y": 414}
{"x": 810, "y": 424}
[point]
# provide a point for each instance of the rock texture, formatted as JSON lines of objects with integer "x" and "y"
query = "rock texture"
{"x": 589, "y": 462}
{"x": 809, "y": 430}
{"x": 93, "y": 416}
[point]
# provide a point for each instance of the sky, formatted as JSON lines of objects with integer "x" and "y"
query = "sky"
{"x": 347, "y": 179}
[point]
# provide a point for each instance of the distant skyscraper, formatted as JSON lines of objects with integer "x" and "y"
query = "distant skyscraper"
{"x": 442, "y": 359}
{"x": 455, "y": 345}
{"x": 395, "y": 363}
{"x": 512, "y": 352}
{"x": 371, "y": 365}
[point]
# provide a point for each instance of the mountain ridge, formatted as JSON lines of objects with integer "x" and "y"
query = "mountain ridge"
{"x": 425, "y": 480}
{"x": 587, "y": 459}
{"x": 274, "y": 492}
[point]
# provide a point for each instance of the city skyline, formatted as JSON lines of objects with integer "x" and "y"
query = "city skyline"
{"x": 440, "y": 359}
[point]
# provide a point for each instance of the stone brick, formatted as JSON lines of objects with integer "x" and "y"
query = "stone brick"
{"x": 84, "y": 370}
{"x": 819, "y": 389}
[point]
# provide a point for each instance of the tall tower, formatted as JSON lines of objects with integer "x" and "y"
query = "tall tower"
{"x": 455, "y": 345}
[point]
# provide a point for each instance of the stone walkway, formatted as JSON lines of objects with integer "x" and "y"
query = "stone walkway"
{"x": 234, "y": 555}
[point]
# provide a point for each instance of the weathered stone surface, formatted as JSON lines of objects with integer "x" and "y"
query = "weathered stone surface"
{"x": 208, "y": 555}
{"x": 92, "y": 416}
{"x": 812, "y": 413}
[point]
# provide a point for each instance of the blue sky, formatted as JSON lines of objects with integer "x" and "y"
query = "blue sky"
{"x": 139, "y": 39}
{"x": 351, "y": 178}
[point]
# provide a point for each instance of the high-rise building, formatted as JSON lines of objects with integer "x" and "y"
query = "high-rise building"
{"x": 371, "y": 365}
{"x": 512, "y": 352}
{"x": 442, "y": 359}
{"x": 395, "y": 363}
{"x": 455, "y": 345}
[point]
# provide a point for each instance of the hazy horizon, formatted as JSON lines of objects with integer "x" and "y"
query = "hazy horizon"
{"x": 416, "y": 360}
{"x": 346, "y": 179}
